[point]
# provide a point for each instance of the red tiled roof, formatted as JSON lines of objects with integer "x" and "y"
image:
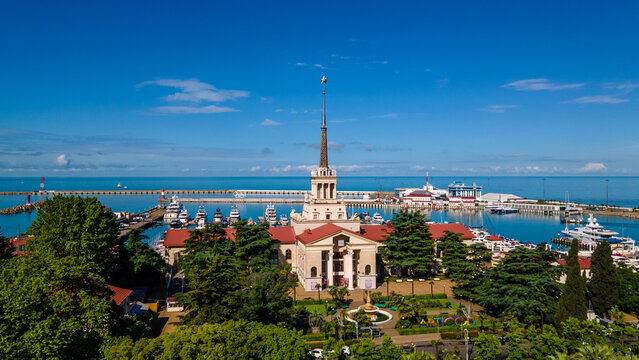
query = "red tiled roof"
{"x": 438, "y": 230}
{"x": 119, "y": 294}
{"x": 583, "y": 263}
{"x": 176, "y": 237}
{"x": 308, "y": 236}
{"x": 375, "y": 232}
{"x": 18, "y": 241}
{"x": 494, "y": 238}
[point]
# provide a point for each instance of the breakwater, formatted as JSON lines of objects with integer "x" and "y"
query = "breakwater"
{"x": 21, "y": 208}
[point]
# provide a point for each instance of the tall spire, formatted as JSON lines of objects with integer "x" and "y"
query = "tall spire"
{"x": 324, "y": 145}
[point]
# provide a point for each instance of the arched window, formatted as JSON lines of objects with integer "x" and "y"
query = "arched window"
{"x": 313, "y": 271}
{"x": 367, "y": 270}
{"x": 288, "y": 254}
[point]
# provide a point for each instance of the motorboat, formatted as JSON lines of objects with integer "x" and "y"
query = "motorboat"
{"x": 176, "y": 223}
{"x": 593, "y": 233}
{"x": 218, "y": 216}
{"x": 173, "y": 209}
{"x": 184, "y": 216}
{"x": 270, "y": 215}
{"x": 119, "y": 185}
{"x": 377, "y": 219}
{"x": 503, "y": 210}
{"x": 201, "y": 214}
{"x": 234, "y": 216}
{"x": 284, "y": 220}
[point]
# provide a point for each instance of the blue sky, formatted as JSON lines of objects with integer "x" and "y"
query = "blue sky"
{"x": 168, "y": 88}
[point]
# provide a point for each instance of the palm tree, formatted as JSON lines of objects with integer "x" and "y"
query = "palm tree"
{"x": 596, "y": 352}
{"x": 559, "y": 356}
{"x": 315, "y": 319}
{"x": 436, "y": 344}
{"x": 318, "y": 287}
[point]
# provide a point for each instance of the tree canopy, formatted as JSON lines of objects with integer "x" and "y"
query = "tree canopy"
{"x": 227, "y": 340}
{"x": 523, "y": 283}
{"x": 604, "y": 282}
{"x": 463, "y": 263}
{"x": 572, "y": 302}
{"x": 409, "y": 246}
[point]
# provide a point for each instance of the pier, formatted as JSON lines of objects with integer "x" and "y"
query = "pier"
{"x": 21, "y": 208}
{"x": 185, "y": 191}
{"x": 153, "y": 215}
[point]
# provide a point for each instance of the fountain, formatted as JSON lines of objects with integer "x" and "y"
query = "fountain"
{"x": 372, "y": 311}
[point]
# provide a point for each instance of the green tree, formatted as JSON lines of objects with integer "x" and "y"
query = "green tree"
{"x": 389, "y": 351}
{"x": 146, "y": 264}
{"x": 604, "y": 283}
{"x": 628, "y": 299}
{"x": 409, "y": 246}
{"x": 209, "y": 241}
{"x": 596, "y": 352}
{"x": 572, "y": 302}
{"x": 464, "y": 264}
{"x": 6, "y": 248}
{"x": 334, "y": 349}
{"x": 521, "y": 283}
{"x": 487, "y": 347}
{"x": 53, "y": 308}
{"x": 573, "y": 334}
{"x": 212, "y": 283}
{"x": 80, "y": 229}
{"x": 514, "y": 337}
{"x": 266, "y": 297}
{"x": 338, "y": 293}
{"x": 253, "y": 245}
{"x": 228, "y": 340}
{"x": 365, "y": 350}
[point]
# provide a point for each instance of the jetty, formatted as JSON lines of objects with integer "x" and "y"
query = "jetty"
{"x": 21, "y": 208}
{"x": 153, "y": 215}
{"x": 236, "y": 192}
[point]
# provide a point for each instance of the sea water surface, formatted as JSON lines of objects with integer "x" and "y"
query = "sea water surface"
{"x": 622, "y": 191}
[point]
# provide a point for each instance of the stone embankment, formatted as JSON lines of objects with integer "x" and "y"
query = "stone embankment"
{"x": 21, "y": 208}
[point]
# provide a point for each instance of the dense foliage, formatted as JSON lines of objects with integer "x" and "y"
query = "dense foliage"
{"x": 55, "y": 302}
{"x": 572, "y": 302}
{"x": 408, "y": 248}
{"x": 236, "y": 280}
{"x": 604, "y": 282}
{"x": 464, "y": 264}
{"x": 628, "y": 299}
{"x": 524, "y": 283}
{"x": 6, "y": 248}
{"x": 227, "y": 340}
{"x": 487, "y": 347}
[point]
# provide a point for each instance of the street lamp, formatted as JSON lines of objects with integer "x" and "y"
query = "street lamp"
{"x": 466, "y": 340}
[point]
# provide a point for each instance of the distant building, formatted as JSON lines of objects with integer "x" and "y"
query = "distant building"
{"x": 419, "y": 197}
{"x": 584, "y": 268}
{"x": 461, "y": 195}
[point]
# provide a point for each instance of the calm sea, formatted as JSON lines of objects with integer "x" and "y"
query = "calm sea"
{"x": 622, "y": 191}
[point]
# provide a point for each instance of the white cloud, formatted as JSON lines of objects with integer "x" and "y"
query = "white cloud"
{"x": 301, "y": 64}
{"x": 540, "y": 84}
{"x": 622, "y": 86}
{"x": 186, "y": 170}
{"x": 269, "y": 122}
{"x": 193, "y": 90}
{"x": 209, "y": 109}
{"x": 386, "y": 116}
{"x": 498, "y": 108}
{"x": 443, "y": 82}
{"x": 593, "y": 167}
{"x": 418, "y": 167}
{"x": 256, "y": 168}
{"x": 348, "y": 168}
{"x": 369, "y": 147}
{"x": 599, "y": 99}
{"x": 279, "y": 110}
{"x": 306, "y": 167}
{"x": 62, "y": 160}
{"x": 319, "y": 66}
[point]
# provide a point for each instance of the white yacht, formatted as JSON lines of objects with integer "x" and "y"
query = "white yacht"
{"x": 377, "y": 219}
{"x": 201, "y": 223}
{"x": 184, "y": 216}
{"x": 593, "y": 233}
{"x": 173, "y": 209}
{"x": 218, "y": 216}
{"x": 119, "y": 185}
{"x": 201, "y": 213}
{"x": 503, "y": 210}
{"x": 234, "y": 216}
{"x": 284, "y": 220}
{"x": 270, "y": 215}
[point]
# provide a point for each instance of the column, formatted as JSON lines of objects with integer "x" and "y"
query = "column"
{"x": 329, "y": 268}
{"x": 348, "y": 267}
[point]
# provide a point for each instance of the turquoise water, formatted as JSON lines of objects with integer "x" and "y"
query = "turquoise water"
{"x": 623, "y": 191}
